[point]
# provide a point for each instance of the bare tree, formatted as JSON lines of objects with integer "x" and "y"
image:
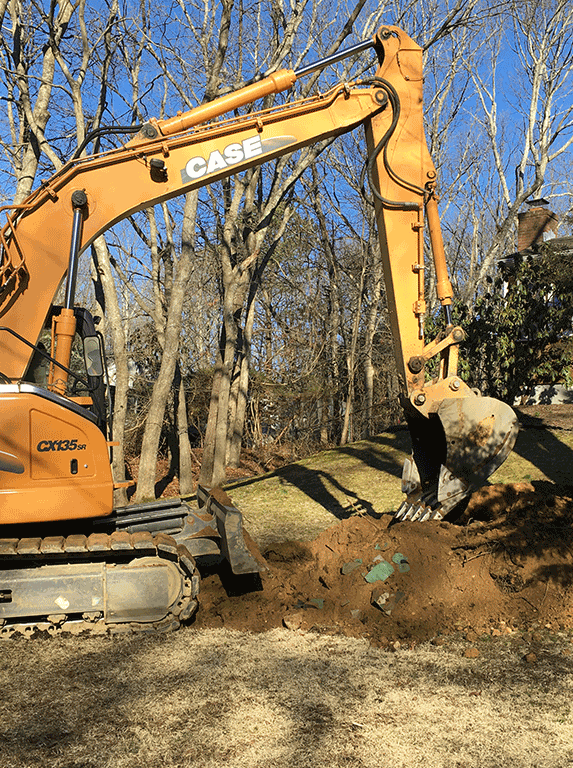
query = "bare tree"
{"x": 528, "y": 129}
{"x": 28, "y": 65}
{"x": 245, "y": 251}
{"x": 55, "y": 65}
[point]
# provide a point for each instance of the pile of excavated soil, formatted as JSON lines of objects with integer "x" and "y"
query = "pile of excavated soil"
{"x": 507, "y": 564}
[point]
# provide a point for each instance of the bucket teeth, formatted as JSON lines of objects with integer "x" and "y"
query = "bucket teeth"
{"x": 417, "y": 510}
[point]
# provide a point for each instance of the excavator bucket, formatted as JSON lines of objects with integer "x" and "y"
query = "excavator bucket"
{"x": 453, "y": 454}
{"x": 229, "y": 523}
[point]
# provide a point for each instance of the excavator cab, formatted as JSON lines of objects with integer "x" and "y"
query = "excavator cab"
{"x": 87, "y": 377}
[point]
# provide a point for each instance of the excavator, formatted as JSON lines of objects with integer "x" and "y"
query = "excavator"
{"x": 69, "y": 559}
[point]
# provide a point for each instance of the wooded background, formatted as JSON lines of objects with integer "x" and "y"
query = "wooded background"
{"x": 253, "y": 311}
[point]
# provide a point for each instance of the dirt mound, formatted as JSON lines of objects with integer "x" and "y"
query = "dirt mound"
{"x": 507, "y": 564}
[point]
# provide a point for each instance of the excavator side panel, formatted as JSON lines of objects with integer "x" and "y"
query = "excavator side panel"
{"x": 54, "y": 462}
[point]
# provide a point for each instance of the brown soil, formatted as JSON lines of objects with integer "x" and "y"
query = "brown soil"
{"x": 507, "y": 564}
{"x": 548, "y": 416}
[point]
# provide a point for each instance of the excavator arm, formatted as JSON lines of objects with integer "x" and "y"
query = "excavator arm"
{"x": 458, "y": 437}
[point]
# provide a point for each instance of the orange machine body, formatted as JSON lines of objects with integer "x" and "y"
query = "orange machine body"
{"x": 54, "y": 460}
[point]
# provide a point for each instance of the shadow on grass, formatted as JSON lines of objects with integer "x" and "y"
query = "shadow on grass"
{"x": 382, "y": 453}
{"x": 314, "y": 483}
{"x": 543, "y": 448}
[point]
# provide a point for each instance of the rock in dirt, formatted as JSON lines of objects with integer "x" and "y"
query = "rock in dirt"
{"x": 380, "y": 572}
{"x": 530, "y": 658}
{"x": 293, "y": 620}
{"x": 401, "y": 561}
{"x": 470, "y": 653}
{"x": 386, "y": 601}
{"x": 379, "y": 598}
{"x": 350, "y": 567}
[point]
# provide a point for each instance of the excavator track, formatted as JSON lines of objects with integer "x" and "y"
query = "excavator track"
{"x": 98, "y": 584}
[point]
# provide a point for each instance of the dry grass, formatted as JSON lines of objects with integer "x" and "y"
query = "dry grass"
{"x": 304, "y": 498}
{"x": 217, "y": 697}
{"x": 301, "y": 500}
{"x": 285, "y": 699}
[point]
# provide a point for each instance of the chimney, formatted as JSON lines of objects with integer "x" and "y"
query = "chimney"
{"x": 535, "y": 225}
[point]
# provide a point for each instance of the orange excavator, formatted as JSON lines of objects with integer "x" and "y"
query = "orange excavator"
{"x": 67, "y": 557}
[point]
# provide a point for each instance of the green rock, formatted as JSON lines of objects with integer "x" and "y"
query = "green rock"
{"x": 380, "y": 572}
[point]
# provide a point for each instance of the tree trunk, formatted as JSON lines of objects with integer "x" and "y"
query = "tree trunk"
{"x": 241, "y": 388}
{"x": 346, "y": 433}
{"x": 163, "y": 384}
{"x": 207, "y": 473}
{"x": 115, "y": 326}
{"x": 219, "y": 448}
{"x": 370, "y": 330}
{"x": 184, "y": 445}
{"x": 216, "y": 436}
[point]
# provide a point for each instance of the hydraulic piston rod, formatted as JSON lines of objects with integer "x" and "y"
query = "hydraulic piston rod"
{"x": 278, "y": 81}
{"x": 314, "y": 66}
